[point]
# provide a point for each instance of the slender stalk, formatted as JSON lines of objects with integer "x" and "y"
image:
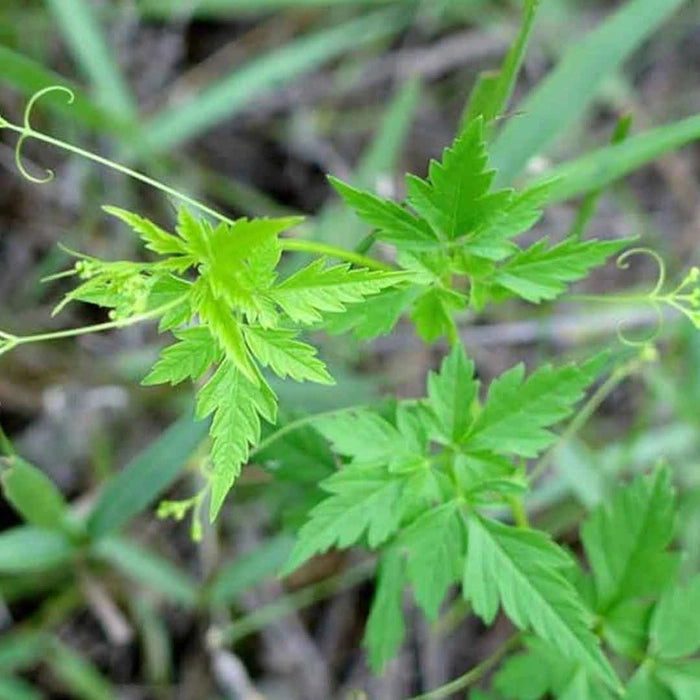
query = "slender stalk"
{"x": 474, "y": 675}
{"x": 296, "y": 424}
{"x": 519, "y": 513}
{"x": 288, "y": 604}
{"x": 26, "y": 132}
{"x": 584, "y": 415}
{"x": 326, "y": 249}
{"x": 13, "y": 341}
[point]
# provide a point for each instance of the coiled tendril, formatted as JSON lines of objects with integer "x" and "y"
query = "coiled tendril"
{"x": 651, "y": 298}
{"x": 685, "y": 298}
{"x": 27, "y": 131}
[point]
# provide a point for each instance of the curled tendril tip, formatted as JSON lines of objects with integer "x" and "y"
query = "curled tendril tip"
{"x": 625, "y": 338}
{"x": 652, "y": 298}
{"x": 27, "y": 131}
{"x": 623, "y": 264}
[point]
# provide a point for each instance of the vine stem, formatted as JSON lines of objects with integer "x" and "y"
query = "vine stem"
{"x": 299, "y": 245}
{"x": 617, "y": 376}
{"x": 27, "y": 132}
{"x": 293, "y": 602}
{"x": 13, "y": 341}
{"x": 473, "y": 675}
{"x": 299, "y": 423}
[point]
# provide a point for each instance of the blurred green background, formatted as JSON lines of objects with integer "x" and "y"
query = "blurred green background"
{"x": 247, "y": 104}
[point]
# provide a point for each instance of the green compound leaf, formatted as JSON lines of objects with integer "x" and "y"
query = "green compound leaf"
{"x": 541, "y": 273}
{"x": 369, "y": 439}
{"x": 433, "y": 313}
{"x": 392, "y": 222}
{"x": 456, "y": 199}
{"x": 518, "y": 410}
{"x": 366, "y": 502}
{"x": 190, "y": 358}
{"x": 226, "y": 328}
{"x": 674, "y": 632}
{"x": 286, "y": 356}
{"x": 682, "y": 679}
{"x": 492, "y": 240}
{"x": 522, "y": 570}
{"x": 155, "y": 238}
{"x": 376, "y": 316}
{"x": 385, "y": 626}
{"x": 625, "y": 540}
{"x": 435, "y": 544}
{"x": 317, "y": 288}
{"x": 237, "y": 405}
{"x": 451, "y": 395}
{"x": 542, "y": 671}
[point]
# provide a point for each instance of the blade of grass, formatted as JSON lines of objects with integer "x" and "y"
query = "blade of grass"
{"x": 149, "y": 569}
{"x": 606, "y": 165}
{"x": 338, "y": 224}
{"x": 77, "y": 674}
{"x": 493, "y": 91}
{"x": 20, "y": 650}
{"x": 303, "y": 598}
{"x": 147, "y": 476}
{"x": 29, "y": 77}
{"x": 564, "y": 94}
{"x": 387, "y": 145}
{"x": 588, "y": 207}
{"x": 249, "y": 570}
{"x": 90, "y": 48}
{"x": 33, "y": 495}
{"x": 25, "y": 548}
{"x": 214, "y": 8}
{"x": 17, "y": 689}
{"x": 232, "y": 93}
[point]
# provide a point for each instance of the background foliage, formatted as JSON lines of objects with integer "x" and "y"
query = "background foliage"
{"x": 247, "y": 105}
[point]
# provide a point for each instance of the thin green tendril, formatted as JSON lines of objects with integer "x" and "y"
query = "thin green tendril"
{"x": 685, "y": 298}
{"x": 652, "y": 298}
{"x": 28, "y": 132}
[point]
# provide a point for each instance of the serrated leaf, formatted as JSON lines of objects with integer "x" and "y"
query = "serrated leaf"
{"x": 365, "y": 502}
{"x": 190, "y": 358}
{"x": 285, "y": 355}
{"x": 456, "y": 199}
{"x": 168, "y": 289}
{"x": 518, "y": 411}
{"x": 524, "y": 209}
{"x": 433, "y": 313}
{"x": 674, "y": 632}
{"x": 224, "y": 326}
{"x": 683, "y": 679}
{"x": 626, "y": 537}
{"x": 385, "y": 626}
{"x": 435, "y": 545}
{"x": 392, "y": 222}
{"x": 155, "y": 238}
{"x": 369, "y": 439}
{"x": 451, "y": 394}
{"x": 373, "y": 317}
{"x": 122, "y": 286}
{"x": 541, "y": 273}
{"x": 626, "y": 626}
{"x": 317, "y": 288}
{"x": 644, "y": 685}
{"x": 238, "y": 260}
{"x": 237, "y": 405}
{"x": 521, "y": 570}
{"x": 534, "y": 673}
